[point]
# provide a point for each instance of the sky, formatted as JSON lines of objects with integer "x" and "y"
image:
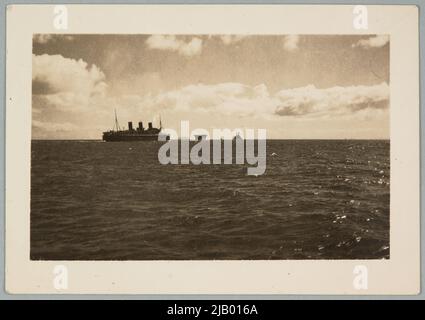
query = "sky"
{"x": 295, "y": 86}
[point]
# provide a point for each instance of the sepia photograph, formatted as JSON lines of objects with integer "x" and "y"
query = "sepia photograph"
{"x": 210, "y": 147}
{"x": 212, "y": 150}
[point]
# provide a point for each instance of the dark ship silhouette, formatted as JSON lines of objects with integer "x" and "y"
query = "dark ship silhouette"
{"x": 138, "y": 134}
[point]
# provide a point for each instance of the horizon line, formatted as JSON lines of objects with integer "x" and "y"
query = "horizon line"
{"x": 89, "y": 139}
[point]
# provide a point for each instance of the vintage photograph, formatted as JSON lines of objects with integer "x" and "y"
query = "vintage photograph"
{"x": 210, "y": 147}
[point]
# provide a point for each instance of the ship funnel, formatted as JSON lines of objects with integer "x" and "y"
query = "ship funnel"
{"x": 150, "y": 125}
{"x": 130, "y": 126}
{"x": 140, "y": 126}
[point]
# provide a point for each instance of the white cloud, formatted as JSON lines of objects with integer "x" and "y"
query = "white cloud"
{"x": 53, "y": 74}
{"x": 43, "y": 38}
{"x": 290, "y": 42}
{"x": 172, "y": 43}
{"x": 310, "y": 101}
{"x": 230, "y": 39}
{"x": 372, "y": 42}
{"x": 239, "y": 100}
{"x": 62, "y": 89}
{"x": 225, "y": 99}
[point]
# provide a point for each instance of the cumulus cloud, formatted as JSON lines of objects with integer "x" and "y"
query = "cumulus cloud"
{"x": 63, "y": 88}
{"x": 239, "y": 100}
{"x": 188, "y": 48}
{"x": 310, "y": 101}
{"x": 225, "y": 98}
{"x": 290, "y": 42}
{"x": 43, "y": 38}
{"x": 53, "y": 74}
{"x": 372, "y": 42}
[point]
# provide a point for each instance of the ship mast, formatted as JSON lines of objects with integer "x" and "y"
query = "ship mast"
{"x": 117, "y": 127}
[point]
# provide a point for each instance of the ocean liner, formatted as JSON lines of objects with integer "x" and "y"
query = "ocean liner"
{"x": 138, "y": 134}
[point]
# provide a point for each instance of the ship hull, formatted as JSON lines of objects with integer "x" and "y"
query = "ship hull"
{"x": 130, "y": 137}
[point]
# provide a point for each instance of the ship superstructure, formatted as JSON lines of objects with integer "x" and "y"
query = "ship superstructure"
{"x": 132, "y": 134}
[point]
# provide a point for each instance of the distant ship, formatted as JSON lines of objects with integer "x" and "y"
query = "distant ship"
{"x": 138, "y": 134}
